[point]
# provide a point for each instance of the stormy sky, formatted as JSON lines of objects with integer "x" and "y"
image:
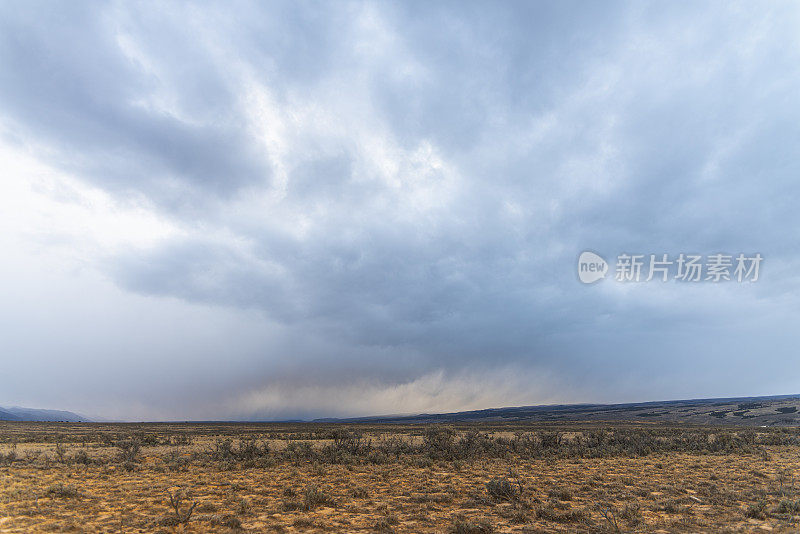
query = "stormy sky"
{"x": 295, "y": 210}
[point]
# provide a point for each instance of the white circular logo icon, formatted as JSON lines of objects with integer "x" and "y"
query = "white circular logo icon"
{"x": 591, "y": 267}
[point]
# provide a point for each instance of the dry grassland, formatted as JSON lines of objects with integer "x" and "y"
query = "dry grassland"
{"x": 372, "y": 478}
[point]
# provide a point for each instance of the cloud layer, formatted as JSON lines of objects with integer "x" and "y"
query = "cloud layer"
{"x": 302, "y": 210}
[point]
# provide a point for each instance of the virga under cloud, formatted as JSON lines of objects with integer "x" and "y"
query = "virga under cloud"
{"x": 281, "y": 210}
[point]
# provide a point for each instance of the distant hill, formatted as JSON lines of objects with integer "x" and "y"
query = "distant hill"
{"x": 15, "y": 413}
{"x": 7, "y": 416}
{"x": 781, "y": 410}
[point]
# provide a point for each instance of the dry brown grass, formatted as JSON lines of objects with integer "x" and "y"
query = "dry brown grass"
{"x": 327, "y": 478}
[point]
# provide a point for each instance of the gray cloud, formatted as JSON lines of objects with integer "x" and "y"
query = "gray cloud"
{"x": 394, "y": 196}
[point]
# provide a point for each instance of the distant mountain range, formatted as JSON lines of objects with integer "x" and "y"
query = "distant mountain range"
{"x": 780, "y": 410}
{"x": 15, "y": 413}
{"x": 777, "y": 410}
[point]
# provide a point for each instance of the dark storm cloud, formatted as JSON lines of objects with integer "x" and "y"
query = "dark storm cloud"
{"x": 401, "y": 190}
{"x": 69, "y": 84}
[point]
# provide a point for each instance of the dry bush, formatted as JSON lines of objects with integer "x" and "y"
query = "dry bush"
{"x": 314, "y": 497}
{"x": 501, "y": 489}
{"x": 465, "y": 526}
{"x": 62, "y": 491}
{"x": 181, "y": 516}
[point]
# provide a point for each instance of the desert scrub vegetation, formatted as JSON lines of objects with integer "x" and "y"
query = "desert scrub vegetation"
{"x": 314, "y": 497}
{"x": 502, "y": 489}
{"x": 422, "y": 446}
{"x": 436, "y": 444}
{"x": 462, "y": 525}
{"x": 181, "y": 514}
{"x": 62, "y": 491}
{"x": 248, "y": 452}
{"x": 409, "y": 478}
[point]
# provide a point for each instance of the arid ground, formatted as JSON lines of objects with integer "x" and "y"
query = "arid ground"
{"x": 588, "y": 477}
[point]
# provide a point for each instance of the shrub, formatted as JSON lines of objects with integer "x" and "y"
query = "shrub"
{"x": 438, "y": 443}
{"x": 226, "y": 520}
{"x": 81, "y": 457}
{"x": 560, "y": 494}
{"x": 297, "y": 451}
{"x": 128, "y": 450}
{"x": 9, "y": 458}
{"x": 60, "y": 452}
{"x": 788, "y": 507}
{"x": 62, "y": 491}
{"x": 501, "y": 489}
{"x": 756, "y": 510}
{"x": 383, "y": 525}
{"x": 464, "y": 526}
{"x": 181, "y": 517}
{"x": 549, "y": 513}
{"x": 359, "y": 492}
{"x": 314, "y": 497}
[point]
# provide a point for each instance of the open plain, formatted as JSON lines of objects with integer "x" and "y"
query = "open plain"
{"x": 460, "y": 478}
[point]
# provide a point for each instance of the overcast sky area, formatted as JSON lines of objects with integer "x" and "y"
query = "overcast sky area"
{"x": 296, "y": 210}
